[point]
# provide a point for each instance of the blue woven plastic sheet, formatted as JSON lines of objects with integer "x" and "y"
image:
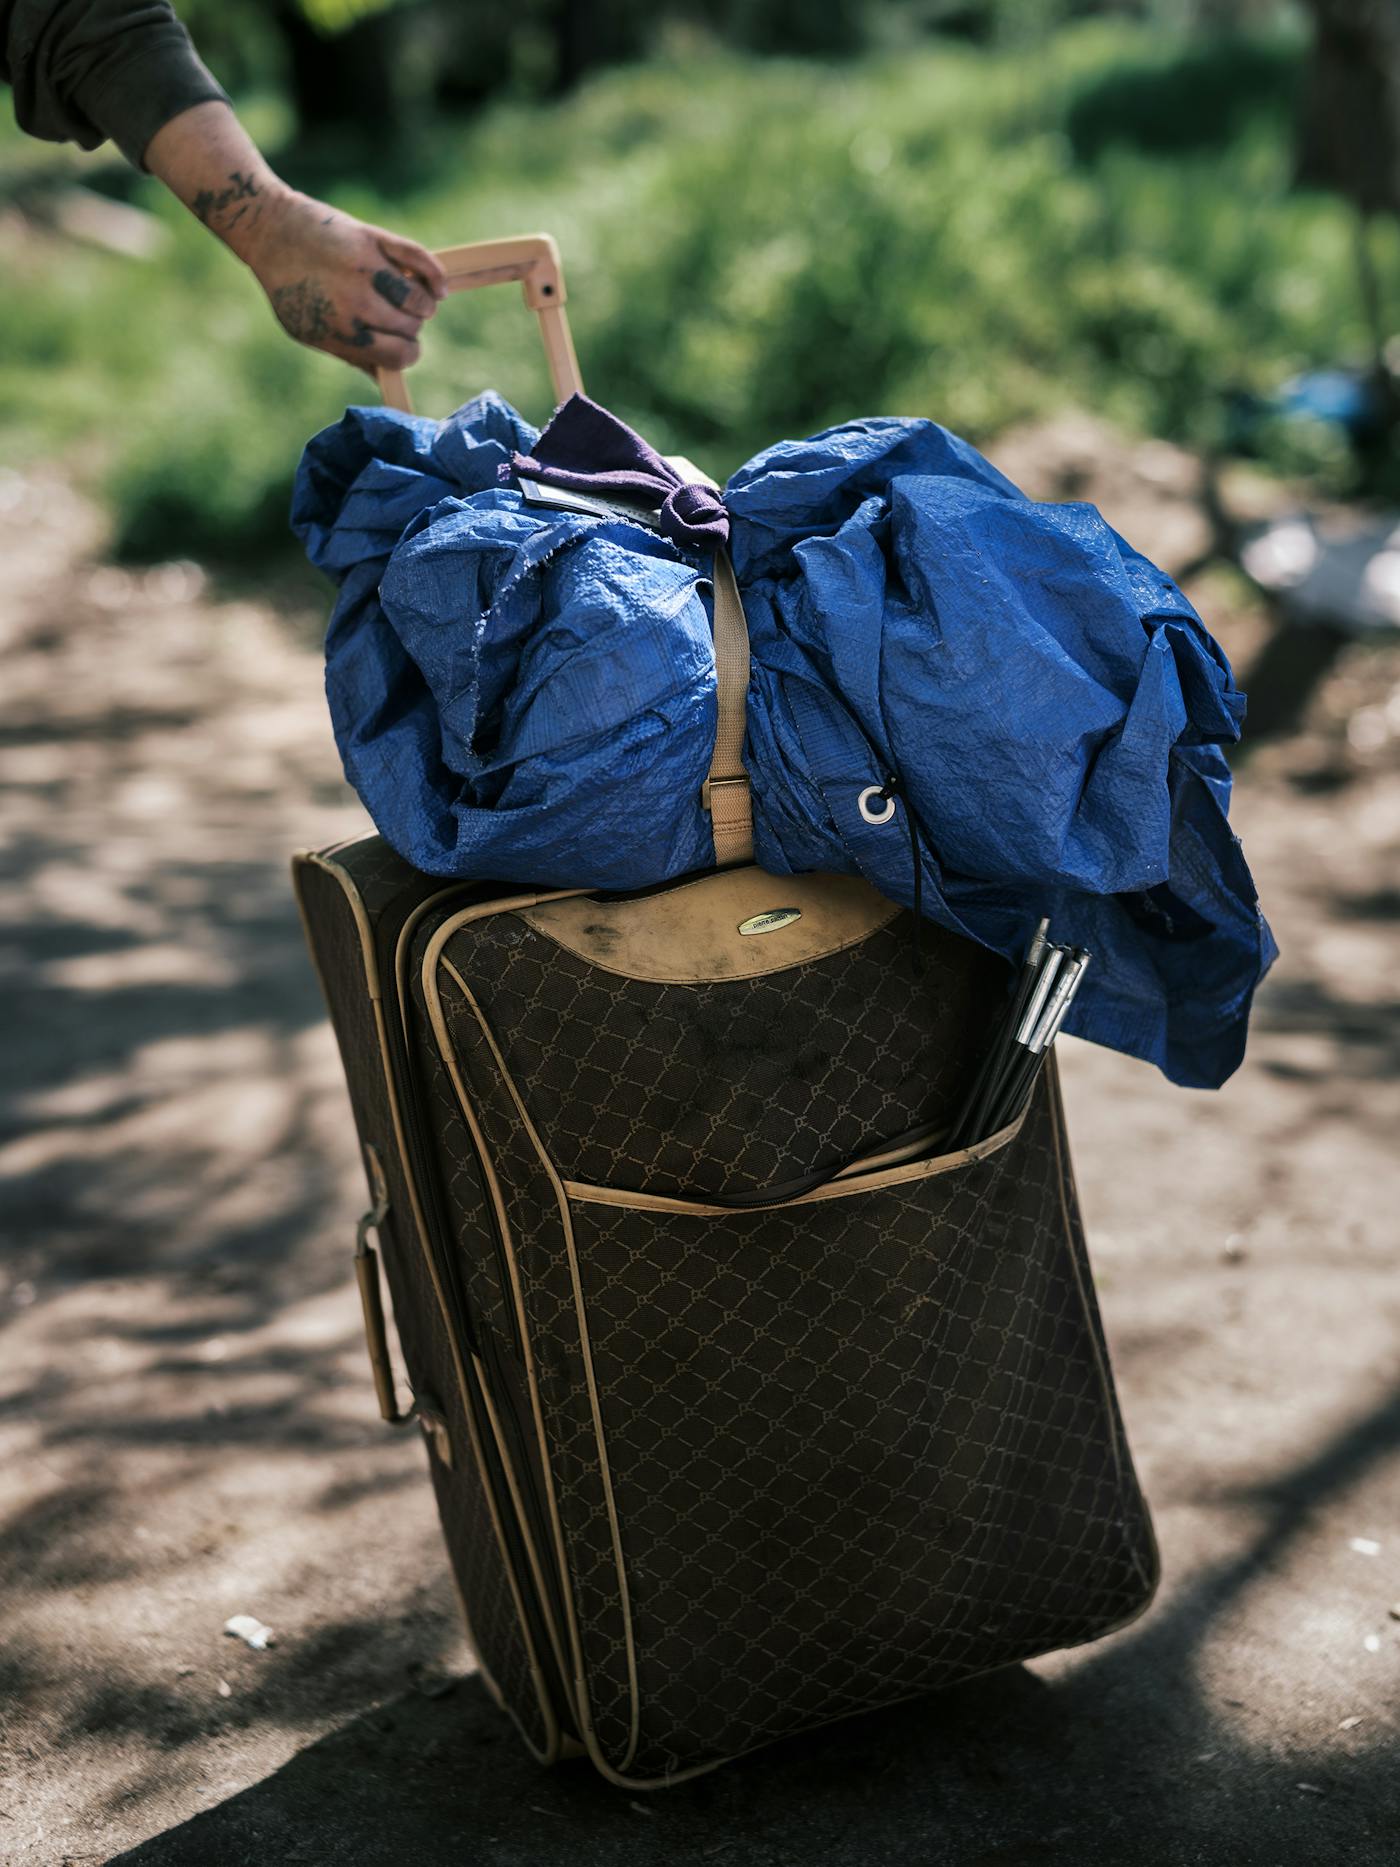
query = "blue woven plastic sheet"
{"x": 527, "y": 694}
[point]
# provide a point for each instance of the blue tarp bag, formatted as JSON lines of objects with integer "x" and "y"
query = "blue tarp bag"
{"x": 526, "y": 692}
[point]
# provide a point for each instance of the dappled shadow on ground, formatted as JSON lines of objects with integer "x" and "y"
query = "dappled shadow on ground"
{"x": 1121, "y": 1757}
{"x": 1006, "y": 1770}
{"x": 186, "y": 1431}
{"x": 1363, "y": 1035}
{"x": 183, "y": 1410}
{"x": 1286, "y": 673}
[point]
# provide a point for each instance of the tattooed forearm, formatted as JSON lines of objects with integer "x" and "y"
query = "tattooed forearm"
{"x": 304, "y": 312}
{"x": 391, "y": 285}
{"x": 209, "y": 202}
{"x": 335, "y": 283}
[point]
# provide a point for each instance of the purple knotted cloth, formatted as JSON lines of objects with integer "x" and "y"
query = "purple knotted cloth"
{"x": 585, "y": 449}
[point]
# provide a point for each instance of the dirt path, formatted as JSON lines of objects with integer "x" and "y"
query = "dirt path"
{"x": 187, "y": 1432}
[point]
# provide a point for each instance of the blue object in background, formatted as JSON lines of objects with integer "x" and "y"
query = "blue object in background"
{"x": 527, "y": 694}
{"x": 1349, "y": 399}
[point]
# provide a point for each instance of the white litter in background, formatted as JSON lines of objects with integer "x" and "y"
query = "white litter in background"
{"x": 1282, "y": 553}
{"x": 1382, "y": 579}
{"x": 248, "y": 1628}
{"x": 1365, "y": 1546}
{"x": 1348, "y": 575}
{"x": 1372, "y": 1643}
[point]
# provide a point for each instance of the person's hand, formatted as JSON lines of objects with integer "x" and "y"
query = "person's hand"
{"x": 339, "y": 285}
{"x": 335, "y": 283}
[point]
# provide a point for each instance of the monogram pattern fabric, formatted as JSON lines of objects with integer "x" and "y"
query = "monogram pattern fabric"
{"x": 700, "y": 1089}
{"x": 763, "y": 1467}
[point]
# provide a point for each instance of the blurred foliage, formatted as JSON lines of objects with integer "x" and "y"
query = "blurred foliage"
{"x": 753, "y": 249}
{"x": 1179, "y": 97}
{"x": 337, "y": 15}
{"x": 455, "y": 52}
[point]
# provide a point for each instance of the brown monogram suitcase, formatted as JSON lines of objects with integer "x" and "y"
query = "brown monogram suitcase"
{"x": 718, "y": 1461}
{"x": 749, "y": 1406}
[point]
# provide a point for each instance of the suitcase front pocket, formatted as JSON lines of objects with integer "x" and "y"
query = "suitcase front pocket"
{"x": 805, "y": 1458}
{"x": 859, "y": 1446}
{"x": 880, "y": 1170}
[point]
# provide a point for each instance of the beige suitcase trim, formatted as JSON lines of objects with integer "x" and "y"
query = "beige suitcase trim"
{"x": 693, "y": 934}
{"x": 852, "y": 1180}
{"x": 434, "y": 964}
{"x": 491, "y": 1187}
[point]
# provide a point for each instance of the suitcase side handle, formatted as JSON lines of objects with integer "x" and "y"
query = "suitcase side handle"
{"x": 372, "y": 1299}
{"x": 533, "y": 259}
{"x": 424, "y": 1409}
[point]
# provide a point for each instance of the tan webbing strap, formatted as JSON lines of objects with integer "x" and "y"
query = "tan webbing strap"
{"x": 725, "y": 793}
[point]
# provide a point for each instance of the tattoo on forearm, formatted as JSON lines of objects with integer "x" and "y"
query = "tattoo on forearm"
{"x": 392, "y": 285}
{"x": 304, "y": 312}
{"x": 209, "y": 202}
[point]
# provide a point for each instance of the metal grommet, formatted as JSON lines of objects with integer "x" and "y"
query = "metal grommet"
{"x": 874, "y": 790}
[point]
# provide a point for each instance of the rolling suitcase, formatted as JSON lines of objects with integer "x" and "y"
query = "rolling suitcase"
{"x": 748, "y": 1406}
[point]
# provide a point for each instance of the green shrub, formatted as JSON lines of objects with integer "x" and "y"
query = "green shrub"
{"x": 753, "y": 249}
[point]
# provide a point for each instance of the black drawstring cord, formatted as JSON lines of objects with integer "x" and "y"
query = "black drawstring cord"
{"x": 890, "y": 790}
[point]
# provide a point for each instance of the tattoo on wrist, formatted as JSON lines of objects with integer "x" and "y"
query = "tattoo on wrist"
{"x": 209, "y": 202}
{"x": 392, "y": 285}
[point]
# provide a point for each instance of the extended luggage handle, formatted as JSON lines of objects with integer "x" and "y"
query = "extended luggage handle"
{"x": 533, "y": 259}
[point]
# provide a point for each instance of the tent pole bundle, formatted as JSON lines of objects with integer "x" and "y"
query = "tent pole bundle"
{"x": 1050, "y": 977}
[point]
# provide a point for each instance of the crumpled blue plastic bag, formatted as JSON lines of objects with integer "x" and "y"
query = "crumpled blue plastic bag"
{"x": 527, "y": 694}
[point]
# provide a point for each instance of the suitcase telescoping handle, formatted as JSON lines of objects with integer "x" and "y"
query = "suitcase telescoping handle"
{"x": 533, "y": 259}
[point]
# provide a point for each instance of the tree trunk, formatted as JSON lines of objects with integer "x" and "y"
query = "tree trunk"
{"x": 345, "y": 80}
{"x": 1350, "y": 128}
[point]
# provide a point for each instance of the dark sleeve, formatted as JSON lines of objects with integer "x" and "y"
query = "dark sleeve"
{"x": 86, "y": 70}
